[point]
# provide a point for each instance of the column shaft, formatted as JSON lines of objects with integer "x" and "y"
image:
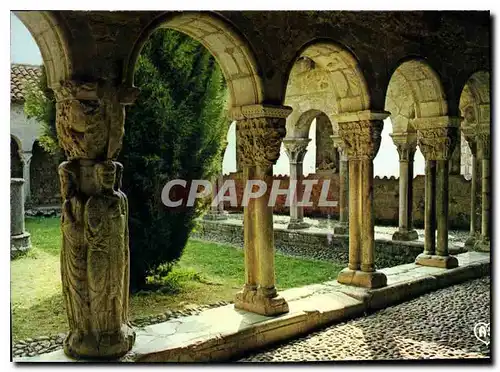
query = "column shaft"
{"x": 473, "y": 197}
{"x": 442, "y": 207}
{"x": 343, "y": 190}
{"x": 485, "y": 203}
{"x": 249, "y": 235}
{"x": 430, "y": 208}
{"x": 403, "y": 195}
{"x": 367, "y": 216}
{"x": 354, "y": 216}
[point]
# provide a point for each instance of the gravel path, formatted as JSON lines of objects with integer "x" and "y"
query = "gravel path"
{"x": 437, "y": 325}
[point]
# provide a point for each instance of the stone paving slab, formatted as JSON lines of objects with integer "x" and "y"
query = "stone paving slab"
{"x": 225, "y": 333}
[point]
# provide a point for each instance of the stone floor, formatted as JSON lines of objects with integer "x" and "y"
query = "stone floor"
{"x": 436, "y": 325}
{"x": 456, "y": 237}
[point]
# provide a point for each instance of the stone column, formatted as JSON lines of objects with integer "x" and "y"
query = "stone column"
{"x": 94, "y": 219}
{"x": 342, "y": 228}
{"x": 484, "y": 152}
{"x": 406, "y": 144}
{"x": 261, "y": 129}
{"x": 19, "y": 238}
{"x": 26, "y": 159}
{"x": 360, "y": 133}
{"x": 471, "y": 141}
{"x": 437, "y": 137}
{"x": 296, "y": 150}
{"x": 217, "y": 212}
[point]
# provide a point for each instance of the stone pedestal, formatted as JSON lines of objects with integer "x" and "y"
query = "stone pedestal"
{"x": 360, "y": 133}
{"x": 260, "y": 130}
{"x": 296, "y": 149}
{"x": 20, "y": 241}
{"x": 342, "y": 228}
{"x": 437, "y": 138}
{"x": 406, "y": 144}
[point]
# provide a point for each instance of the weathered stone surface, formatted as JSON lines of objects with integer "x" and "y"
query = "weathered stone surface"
{"x": 20, "y": 241}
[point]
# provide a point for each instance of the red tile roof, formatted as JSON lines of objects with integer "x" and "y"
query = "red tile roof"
{"x": 21, "y": 76}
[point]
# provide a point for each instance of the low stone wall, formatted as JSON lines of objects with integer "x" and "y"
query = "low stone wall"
{"x": 385, "y": 199}
{"x": 316, "y": 245}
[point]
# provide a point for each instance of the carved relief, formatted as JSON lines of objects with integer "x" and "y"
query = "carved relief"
{"x": 437, "y": 143}
{"x": 259, "y": 140}
{"x": 361, "y": 138}
{"x": 296, "y": 149}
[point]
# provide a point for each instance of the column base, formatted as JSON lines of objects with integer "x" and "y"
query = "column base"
{"x": 405, "y": 235}
{"x": 19, "y": 244}
{"x": 109, "y": 346}
{"x": 444, "y": 262}
{"x": 215, "y": 216}
{"x": 471, "y": 242}
{"x": 341, "y": 229}
{"x": 358, "y": 278}
{"x": 253, "y": 301}
{"x": 482, "y": 246}
{"x": 297, "y": 225}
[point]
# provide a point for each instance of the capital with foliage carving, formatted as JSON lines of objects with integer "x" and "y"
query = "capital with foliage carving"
{"x": 483, "y": 141}
{"x": 406, "y": 144}
{"x": 260, "y": 131}
{"x": 296, "y": 149}
{"x": 437, "y": 136}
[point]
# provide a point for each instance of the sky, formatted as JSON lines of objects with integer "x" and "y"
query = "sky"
{"x": 24, "y": 50}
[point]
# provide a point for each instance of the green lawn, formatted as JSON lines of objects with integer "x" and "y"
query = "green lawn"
{"x": 206, "y": 273}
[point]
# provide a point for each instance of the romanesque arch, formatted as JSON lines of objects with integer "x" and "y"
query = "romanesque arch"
{"x": 222, "y": 40}
{"x": 50, "y": 36}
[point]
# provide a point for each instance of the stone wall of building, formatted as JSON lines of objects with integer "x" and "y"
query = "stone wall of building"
{"x": 44, "y": 177}
{"x": 16, "y": 165}
{"x": 386, "y": 199}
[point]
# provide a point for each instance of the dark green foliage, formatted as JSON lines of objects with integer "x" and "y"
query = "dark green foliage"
{"x": 173, "y": 130}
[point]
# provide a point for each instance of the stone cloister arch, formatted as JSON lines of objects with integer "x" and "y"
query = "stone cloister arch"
{"x": 332, "y": 77}
{"x": 475, "y": 108}
{"x": 419, "y": 113}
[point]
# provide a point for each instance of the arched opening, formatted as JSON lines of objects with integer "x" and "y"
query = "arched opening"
{"x": 232, "y": 53}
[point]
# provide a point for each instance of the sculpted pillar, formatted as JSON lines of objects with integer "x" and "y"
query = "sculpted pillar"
{"x": 260, "y": 132}
{"x": 94, "y": 219}
{"x": 343, "y": 226}
{"x": 26, "y": 159}
{"x": 484, "y": 152}
{"x": 437, "y": 138}
{"x": 360, "y": 133}
{"x": 406, "y": 144}
{"x": 296, "y": 150}
{"x": 469, "y": 136}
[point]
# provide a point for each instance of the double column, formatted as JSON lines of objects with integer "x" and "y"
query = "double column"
{"x": 361, "y": 134}
{"x": 342, "y": 228}
{"x": 484, "y": 153}
{"x": 437, "y": 138}
{"x": 94, "y": 219}
{"x": 260, "y": 130}
{"x": 296, "y": 150}
{"x": 406, "y": 144}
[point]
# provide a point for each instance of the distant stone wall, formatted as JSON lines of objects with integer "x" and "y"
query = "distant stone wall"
{"x": 315, "y": 245}
{"x": 44, "y": 184}
{"x": 386, "y": 199}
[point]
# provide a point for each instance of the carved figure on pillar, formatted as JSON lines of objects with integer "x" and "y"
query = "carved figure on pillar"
{"x": 260, "y": 130}
{"x": 94, "y": 221}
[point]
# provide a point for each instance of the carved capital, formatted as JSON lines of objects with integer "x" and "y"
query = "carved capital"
{"x": 361, "y": 138}
{"x": 483, "y": 142}
{"x": 406, "y": 144}
{"x": 260, "y": 130}
{"x": 296, "y": 149}
{"x": 259, "y": 140}
{"x": 437, "y": 143}
{"x": 90, "y": 118}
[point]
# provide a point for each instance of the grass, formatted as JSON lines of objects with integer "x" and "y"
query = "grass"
{"x": 206, "y": 273}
